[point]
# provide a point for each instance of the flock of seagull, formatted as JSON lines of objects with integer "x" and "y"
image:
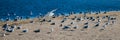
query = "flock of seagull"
{"x": 110, "y": 19}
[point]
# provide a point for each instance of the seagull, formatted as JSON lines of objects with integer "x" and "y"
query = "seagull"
{"x": 51, "y": 12}
{"x": 65, "y": 27}
{"x": 19, "y": 27}
{"x": 11, "y": 30}
{"x": 75, "y": 27}
{"x": 85, "y": 26}
{"x": 36, "y": 31}
{"x": 5, "y": 26}
{"x": 25, "y": 30}
{"x": 82, "y": 19}
{"x": 96, "y": 25}
{"x": 86, "y": 23}
{"x": 52, "y": 29}
{"x": 3, "y": 35}
{"x": 72, "y": 23}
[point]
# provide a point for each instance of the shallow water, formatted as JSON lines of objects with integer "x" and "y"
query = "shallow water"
{"x": 24, "y": 7}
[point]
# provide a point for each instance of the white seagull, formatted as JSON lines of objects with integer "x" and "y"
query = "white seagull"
{"x": 51, "y": 12}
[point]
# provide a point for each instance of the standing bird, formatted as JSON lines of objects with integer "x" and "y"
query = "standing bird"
{"x": 99, "y": 20}
{"x": 86, "y": 26}
{"x": 63, "y": 20}
{"x": 12, "y": 28}
{"x": 86, "y": 23}
{"x": 72, "y": 23}
{"x": 82, "y": 19}
{"x": 96, "y": 25}
{"x": 52, "y": 29}
{"x": 113, "y": 22}
{"x": 5, "y": 26}
{"x": 36, "y": 31}
{"x": 60, "y": 25}
{"x": 78, "y": 19}
{"x": 65, "y": 27}
{"x": 3, "y": 35}
{"x": 103, "y": 27}
{"x": 75, "y": 27}
{"x": 25, "y": 30}
{"x": 19, "y": 27}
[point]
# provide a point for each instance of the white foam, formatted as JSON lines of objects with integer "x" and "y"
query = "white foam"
{"x": 8, "y": 14}
{"x": 31, "y": 13}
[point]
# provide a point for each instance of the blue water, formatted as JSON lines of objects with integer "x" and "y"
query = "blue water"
{"x": 24, "y": 7}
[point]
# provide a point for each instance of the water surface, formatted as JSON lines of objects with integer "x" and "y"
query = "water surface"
{"x": 24, "y": 7}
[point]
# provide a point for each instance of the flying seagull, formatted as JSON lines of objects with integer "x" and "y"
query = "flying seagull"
{"x": 51, "y": 13}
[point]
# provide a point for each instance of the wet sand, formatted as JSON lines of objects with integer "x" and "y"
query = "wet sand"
{"x": 110, "y": 32}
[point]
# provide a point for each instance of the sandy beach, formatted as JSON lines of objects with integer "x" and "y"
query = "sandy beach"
{"x": 77, "y": 27}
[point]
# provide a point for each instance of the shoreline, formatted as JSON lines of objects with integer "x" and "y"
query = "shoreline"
{"x": 35, "y": 16}
{"x": 38, "y": 19}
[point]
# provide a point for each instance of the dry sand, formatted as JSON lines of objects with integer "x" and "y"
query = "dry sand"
{"x": 111, "y": 32}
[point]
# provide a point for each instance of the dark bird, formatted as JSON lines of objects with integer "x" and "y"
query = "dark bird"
{"x": 36, "y": 31}
{"x": 65, "y": 27}
{"x": 86, "y": 26}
